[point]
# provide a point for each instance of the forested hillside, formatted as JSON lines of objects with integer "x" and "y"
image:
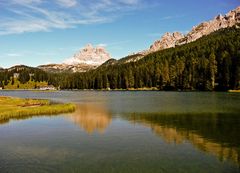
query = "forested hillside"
{"x": 24, "y": 77}
{"x": 210, "y": 63}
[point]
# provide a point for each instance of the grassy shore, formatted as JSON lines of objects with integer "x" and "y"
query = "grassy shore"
{"x": 13, "y": 108}
{"x": 27, "y": 86}
{"x": 234, "y": 91}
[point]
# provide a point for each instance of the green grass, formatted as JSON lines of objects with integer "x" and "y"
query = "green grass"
{"x": 14, "y": 108}
{"x": 29, "y": 85}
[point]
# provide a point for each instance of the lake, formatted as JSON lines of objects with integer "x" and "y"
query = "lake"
{"x": 126, "y": 131}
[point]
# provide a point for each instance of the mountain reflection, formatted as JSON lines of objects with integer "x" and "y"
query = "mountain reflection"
{"x": 91, "y": 118}
{"x": 217, "y": 134}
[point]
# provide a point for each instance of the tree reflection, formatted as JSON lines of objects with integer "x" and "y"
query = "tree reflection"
{"x": 217, "y": 134}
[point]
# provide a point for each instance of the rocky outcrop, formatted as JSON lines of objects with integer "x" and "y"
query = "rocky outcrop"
{"x": 90, "y": 56}
{"x": 86, "y": 59}
{"x": 205, "y": 28}
{"x": 169, "y": 40}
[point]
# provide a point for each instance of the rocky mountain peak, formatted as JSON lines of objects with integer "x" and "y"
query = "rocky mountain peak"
{"x": 88, "y": 47}
{"x": 205, "y": 28}
{"x": 233, "y": 14}
{"x": 90, "y": 56}
{"x": 86, "y": 59}
{"x": 169, "y": 40}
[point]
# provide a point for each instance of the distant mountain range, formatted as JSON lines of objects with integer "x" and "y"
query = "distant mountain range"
{"x": 84, "y": 60}
{"x": 90, "y": 58}
{"x": 205, "y": 28}
{"x": 169, "y": 40}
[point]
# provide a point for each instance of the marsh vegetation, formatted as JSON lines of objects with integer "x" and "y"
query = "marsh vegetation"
{"x": 11, "y": 107}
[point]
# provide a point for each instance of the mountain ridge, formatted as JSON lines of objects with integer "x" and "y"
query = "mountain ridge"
{"x": 170, "y": 40}
{"x": 89, "y": 55}
{"x": 209, "y": 63}
{"x": 86, "y": 59}
{"x": 90, "y": 58}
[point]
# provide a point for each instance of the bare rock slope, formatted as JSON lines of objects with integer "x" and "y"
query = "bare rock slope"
{"x": 169, "y": 40}
{"x": 86, "y": 59}
{"x": 90, "y": 57}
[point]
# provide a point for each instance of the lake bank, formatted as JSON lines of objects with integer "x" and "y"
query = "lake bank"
{"x": 11, "y": 107}
{"x": 141, "y": 131}
{"x": 128, "y": 89}
{"x": 234, "y": 91}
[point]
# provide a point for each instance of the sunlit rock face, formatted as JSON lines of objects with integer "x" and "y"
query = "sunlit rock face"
{"x": 86, "y": 59}
{"x": 205, "y": 28}
{"x": 169, "y": 40}
{"x": 90, "y": 56}
{"x": 91, "y": 118}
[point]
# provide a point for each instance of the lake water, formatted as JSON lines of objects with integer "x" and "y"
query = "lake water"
{"x": 118, "y": 132}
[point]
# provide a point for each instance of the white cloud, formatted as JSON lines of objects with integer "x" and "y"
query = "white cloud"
{"x": 130, "y": 2}
{"x": 10, "y": 55}
{"x": 20, "y": 16}
{"x": 13, "y": 55}
{"x": 102, "y": 45}
{"x": 27, "y": 1}
{"x": 67, "y": 3}
{"x": 22, "y": 54}
{"x": 172, "y": 17}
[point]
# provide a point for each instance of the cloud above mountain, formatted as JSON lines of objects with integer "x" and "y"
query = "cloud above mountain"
{"x": 19, "y": 16}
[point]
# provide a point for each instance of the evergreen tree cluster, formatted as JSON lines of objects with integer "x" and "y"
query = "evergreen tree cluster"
{"x": 210, "y": 63}
{"x": 26, "y": 74}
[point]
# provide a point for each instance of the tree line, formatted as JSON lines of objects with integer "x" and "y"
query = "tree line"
{"x": 210, "y": 63}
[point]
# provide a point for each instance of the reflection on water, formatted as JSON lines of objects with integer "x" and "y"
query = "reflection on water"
{"x": 217, "y": 134}
{"x": 179, "y": 140}
{"x": 25, "y": 118}
{"x": 91, "y": 118}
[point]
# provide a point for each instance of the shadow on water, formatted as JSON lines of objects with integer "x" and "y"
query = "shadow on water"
{"x": 217, "y": 134}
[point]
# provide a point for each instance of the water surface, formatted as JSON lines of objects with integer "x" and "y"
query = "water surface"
{"x": 126, "y": 132}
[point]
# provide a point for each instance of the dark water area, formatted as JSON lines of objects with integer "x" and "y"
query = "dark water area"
{"x": 126, "y": 131}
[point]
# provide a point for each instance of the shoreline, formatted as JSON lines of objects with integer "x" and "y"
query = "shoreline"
{"x": 14, "y": 107}
{"x": 131, "y": 89}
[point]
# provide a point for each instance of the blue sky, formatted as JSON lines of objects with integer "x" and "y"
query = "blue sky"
{"x": 34, "y": 32}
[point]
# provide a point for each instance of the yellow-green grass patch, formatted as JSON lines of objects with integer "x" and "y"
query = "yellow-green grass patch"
{"x": 11, "y": 108}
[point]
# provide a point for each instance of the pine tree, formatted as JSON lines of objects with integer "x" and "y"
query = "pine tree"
{"x": 212, "y": 68}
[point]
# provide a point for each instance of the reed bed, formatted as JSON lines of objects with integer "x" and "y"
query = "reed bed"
{"x": 13, "y": 108}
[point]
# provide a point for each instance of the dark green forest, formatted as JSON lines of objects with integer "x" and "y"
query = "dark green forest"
{"x": 210, "y": 63}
